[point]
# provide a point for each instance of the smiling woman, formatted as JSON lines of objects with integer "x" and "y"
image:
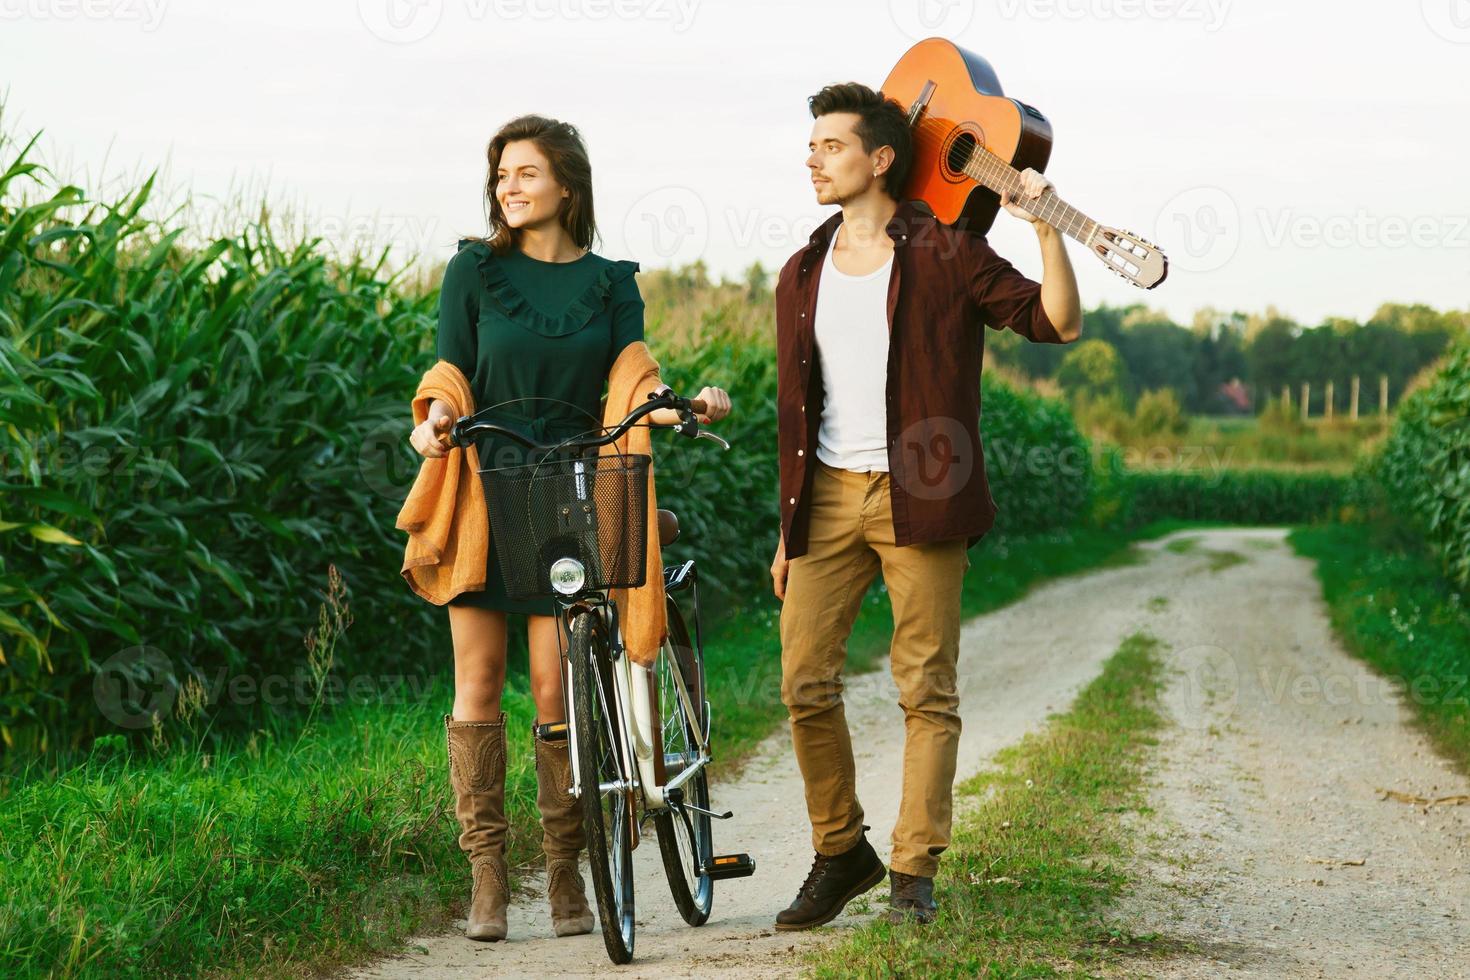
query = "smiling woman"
{"x": 534, "y": 321}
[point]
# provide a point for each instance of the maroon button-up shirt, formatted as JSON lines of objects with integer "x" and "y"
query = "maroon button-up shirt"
{"x": 945, "y": 286}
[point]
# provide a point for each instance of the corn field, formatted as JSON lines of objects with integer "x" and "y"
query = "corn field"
{"x": 190, "y": 438}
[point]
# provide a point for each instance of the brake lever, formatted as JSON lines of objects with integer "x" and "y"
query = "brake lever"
{"x": 689, "y": 427}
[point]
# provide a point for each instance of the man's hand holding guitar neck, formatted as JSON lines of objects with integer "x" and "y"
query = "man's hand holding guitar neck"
{"x": 1059, "y": 295}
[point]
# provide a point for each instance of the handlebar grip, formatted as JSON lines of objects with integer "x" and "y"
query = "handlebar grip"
{"x": 697, "y": 406}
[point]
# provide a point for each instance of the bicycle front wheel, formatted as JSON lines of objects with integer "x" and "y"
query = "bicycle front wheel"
{"x": 685, "y": 839}
{"x": 607, "y": 803}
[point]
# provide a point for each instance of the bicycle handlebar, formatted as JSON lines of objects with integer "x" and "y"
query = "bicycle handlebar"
{"x": 469, "y": 425}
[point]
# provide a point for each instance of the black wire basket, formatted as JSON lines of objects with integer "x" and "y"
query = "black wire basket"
{"x": 593, "y": 509}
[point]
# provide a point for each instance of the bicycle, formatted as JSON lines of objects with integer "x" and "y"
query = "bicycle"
{"x": 572, "y": 526}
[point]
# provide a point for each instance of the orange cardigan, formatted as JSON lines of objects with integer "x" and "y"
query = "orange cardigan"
{"x": 448, "y": 525}
{"x": 444, "y": 514}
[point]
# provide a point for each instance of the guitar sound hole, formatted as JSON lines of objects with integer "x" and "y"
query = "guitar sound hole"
{"x": 958, "y": 152}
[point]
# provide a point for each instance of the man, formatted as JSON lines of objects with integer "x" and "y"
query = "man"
{"x": 879, "y": 334}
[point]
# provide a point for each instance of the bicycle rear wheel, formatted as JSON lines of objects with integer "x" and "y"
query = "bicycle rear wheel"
{"x": 685, "y": 840}
{"x": 607, "y": 805}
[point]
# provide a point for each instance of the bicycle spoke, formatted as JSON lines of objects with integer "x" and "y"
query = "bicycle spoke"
{"x": 684, "y": 834}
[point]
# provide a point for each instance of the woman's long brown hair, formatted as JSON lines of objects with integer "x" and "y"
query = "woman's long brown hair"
{"x": 565, "y": 151}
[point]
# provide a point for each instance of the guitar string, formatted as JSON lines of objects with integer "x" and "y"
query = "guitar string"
{"x": 1047, "y": 206}
{"x": 998, "y": 174}
{"x": 993, "y": 170}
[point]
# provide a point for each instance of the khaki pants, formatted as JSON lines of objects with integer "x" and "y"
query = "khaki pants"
{"x": 851, "y": 538}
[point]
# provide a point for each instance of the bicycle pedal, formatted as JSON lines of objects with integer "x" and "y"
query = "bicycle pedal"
{"x": 725, "y": 866}
{"x": 555, "y": 731}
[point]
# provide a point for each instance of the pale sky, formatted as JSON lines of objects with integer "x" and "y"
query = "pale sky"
{"x": 1310, "y": 154}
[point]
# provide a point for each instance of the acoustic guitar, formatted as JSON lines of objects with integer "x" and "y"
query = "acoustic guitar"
{"x": 971, "y": 143}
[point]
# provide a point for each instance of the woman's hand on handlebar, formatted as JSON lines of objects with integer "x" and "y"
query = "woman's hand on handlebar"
{"x": 429, "y": 436}
{"x": 716, "y": 406}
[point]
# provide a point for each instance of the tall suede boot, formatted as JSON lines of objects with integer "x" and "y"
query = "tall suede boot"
{"x": 477, "y": 774}
{"x": 562, "y": 839}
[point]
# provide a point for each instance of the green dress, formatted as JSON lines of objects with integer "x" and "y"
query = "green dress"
{"x": 521, "y": 328}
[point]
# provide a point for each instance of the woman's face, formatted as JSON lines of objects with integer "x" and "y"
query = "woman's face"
{"x": 528, "y": 194}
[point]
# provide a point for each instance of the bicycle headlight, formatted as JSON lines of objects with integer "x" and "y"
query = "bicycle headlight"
{"x": 567, "y": 575}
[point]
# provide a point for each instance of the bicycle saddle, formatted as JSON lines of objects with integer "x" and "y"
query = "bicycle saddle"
{"x": 668, "y": 527}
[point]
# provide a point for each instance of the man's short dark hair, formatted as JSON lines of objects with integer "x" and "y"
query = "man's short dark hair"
{"x": 881, "y": 122}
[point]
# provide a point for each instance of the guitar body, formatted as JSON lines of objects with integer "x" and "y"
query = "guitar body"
{"x": 971, "y": 143}
{"x": 962, "y": 105}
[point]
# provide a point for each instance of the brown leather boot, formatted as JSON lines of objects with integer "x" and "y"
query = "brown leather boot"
{"x": 832, "y": 882}
{"x": 562, "y": 839}
{"x": 477, "y": 774}
{"x": 910, "y": 899}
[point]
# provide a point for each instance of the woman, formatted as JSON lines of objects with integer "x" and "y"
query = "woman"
{"x": 528, "y": 313}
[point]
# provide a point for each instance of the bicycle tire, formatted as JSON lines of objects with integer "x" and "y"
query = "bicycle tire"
{"x": 609, "y": 838}
{"x": 693, "y": 893}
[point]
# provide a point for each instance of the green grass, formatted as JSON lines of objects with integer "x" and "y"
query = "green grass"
{"x": 1217, "y": 443}
{"x": 322, "y": 846}
{"x": 1182, "y": 546}
{"x": 1221, "y": 560}
{"x": 1218, "y": 560}
{"x": 1392, "y": 606}
{"x": 131, "y": 866}
{"x": 1036, "y": 849}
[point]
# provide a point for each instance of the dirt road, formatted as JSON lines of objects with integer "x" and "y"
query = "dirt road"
{"x": 1277, "y": 785}
{"x": 1273, "y": 848}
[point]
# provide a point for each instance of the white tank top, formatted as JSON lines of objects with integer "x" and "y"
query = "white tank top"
{"x": 852, "y": 339}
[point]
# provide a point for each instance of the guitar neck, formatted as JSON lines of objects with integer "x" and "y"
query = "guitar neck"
{"x": 994, "y": 173}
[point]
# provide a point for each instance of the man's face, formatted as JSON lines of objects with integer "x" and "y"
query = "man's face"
{"x": 840, "y": 169}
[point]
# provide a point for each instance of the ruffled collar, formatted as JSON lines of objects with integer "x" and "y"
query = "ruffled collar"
{"x": 518, "y": 309}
